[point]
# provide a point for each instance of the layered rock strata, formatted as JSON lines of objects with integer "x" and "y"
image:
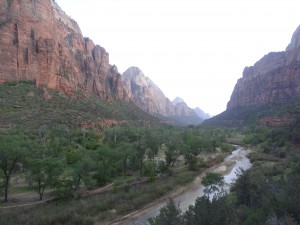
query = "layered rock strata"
{"x": 39, "y": 42}
{"x": 273, "y": 79}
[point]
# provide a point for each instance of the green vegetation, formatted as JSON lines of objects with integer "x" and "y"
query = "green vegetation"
{"x": 267, "y": 194}
{"x": 206, "y": 211}
{"x": 253, "y": 115}
{"x": 13, "y": 149}
{"x": 170, "y": 214}
{"x": 212, "y": 183}
{"x": 29, "y": 108}
{"x": 70, "y": 147}
{"x": 73, "y": 147}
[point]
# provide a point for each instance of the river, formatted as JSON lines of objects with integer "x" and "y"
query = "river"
{"x": 234, "y": 161}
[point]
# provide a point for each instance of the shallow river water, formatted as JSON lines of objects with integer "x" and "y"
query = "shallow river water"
{"x": 238, "y": 159}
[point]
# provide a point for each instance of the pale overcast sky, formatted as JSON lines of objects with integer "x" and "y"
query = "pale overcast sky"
{"x": 195, "y": 49}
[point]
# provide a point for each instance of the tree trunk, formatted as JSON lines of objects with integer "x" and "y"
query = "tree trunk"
{"x": 41, "y": 190}
{"x": 6, "y": 188}
{"x": 141, "y": 168}
{"x": 78, "y": 182}
{"x": 125, "y": 166}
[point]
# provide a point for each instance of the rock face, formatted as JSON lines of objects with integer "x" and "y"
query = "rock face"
{"x": 145, "y": 94}
{"x": 181, "y": 108}
{"x": 201, "y": 114}
{"x": 39, "y": 42}
{"x": 273, "y": 79}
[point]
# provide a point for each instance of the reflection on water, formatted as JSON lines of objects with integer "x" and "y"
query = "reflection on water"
{"x": 237, "y": 158}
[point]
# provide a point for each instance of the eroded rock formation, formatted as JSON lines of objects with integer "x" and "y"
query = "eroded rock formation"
{"x": 145, "y": 94}
{"x": 39, "y": 42}
{"x": 273, "y": 79}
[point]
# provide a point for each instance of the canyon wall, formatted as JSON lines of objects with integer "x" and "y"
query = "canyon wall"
{"x": 273, "y": 79}
{"x": 149, "y": 97}
{"x": 39, "y": 42}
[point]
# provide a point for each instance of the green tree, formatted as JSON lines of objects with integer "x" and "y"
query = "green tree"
{"x": 212, "y": 182}
{"x": 13, "y": 149}
{"x": 45, "y": 172}
{"x": 126, "y": 151}
{"x": 106, "y": 158}
{"x": 153, "y": 141}
{"x": 150, "y": 169}
{"x": 168, "y": 215}
{"x": 174, "y": 148}
{"x": 217, "y": 211}
{"x": 82, "y": 170}
{"x": 139, "y": 154}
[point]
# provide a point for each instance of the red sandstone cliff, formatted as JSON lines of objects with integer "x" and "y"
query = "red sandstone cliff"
{"x": 39, "y": 42}
{"x": 273, "y": 79}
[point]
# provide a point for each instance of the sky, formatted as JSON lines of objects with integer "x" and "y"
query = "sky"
{"x": 194, "y": 49}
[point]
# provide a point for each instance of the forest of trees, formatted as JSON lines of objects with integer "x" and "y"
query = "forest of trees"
{"x": 267, "y": 194}
{"x": 66, "y": 159}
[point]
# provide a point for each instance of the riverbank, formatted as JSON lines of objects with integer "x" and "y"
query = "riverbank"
{"x": 194, "y": 188}
{"x": 108, "y": 206}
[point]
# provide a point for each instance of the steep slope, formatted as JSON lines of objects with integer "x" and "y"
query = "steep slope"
{"x": 149, "y": 97}
{"x": 28, "y": 107}
{"x": 268, "y": 93}
{"x": 181, "y": 108}
{"x": 39, "y": 42}
{"x": 273, "y": 79}
{"x": 201, "y": 114}
{"x": 145, "y": 94}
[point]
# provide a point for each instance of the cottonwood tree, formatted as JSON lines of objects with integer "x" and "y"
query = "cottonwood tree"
{"x": 82, "y": 169}
{"x": 106, "y": 158}
{"x": 212, "y": 182}
{"x": 174, "y": 148}
{"x": 126, "y": 151}
{"x": 13, "y": 149}
{"x": 153, "y": 141}
{"x": 45, "y": 172}
{"x": 139, "y": 154}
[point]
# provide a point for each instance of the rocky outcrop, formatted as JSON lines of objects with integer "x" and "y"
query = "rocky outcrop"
{"x": 273, "y": 79}
{"x": 39, "y": 42}
{"x": 181, "y": 108}
{"x": 273, "y": 121}
{"x": 145, "y": 94}
{"x": 201, "y": 114}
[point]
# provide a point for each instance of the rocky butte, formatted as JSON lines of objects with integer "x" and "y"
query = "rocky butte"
{"x": 273, "y": 79}
{"x": 39, "y": 42}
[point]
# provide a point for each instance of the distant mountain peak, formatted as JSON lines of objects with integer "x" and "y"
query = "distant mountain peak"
{"x": 133, "y": 71}
{"x": 200, "y": 113}
{"x": 149, "y": 97}
{"x": 295, "y": 41}
{"x": 178, "y": 100}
